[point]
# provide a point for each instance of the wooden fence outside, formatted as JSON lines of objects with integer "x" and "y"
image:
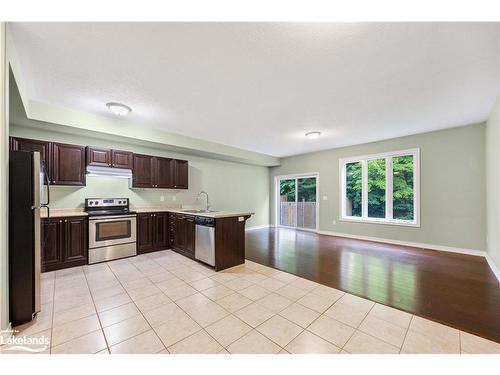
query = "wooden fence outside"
{"x": 302, "y": 214}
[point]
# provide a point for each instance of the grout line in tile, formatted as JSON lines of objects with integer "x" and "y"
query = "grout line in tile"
{"x": 97, "y": 314}
{"x": 406, "y": 334}
{"x": 53, "y": 313}
{"x": 140, "y": 312}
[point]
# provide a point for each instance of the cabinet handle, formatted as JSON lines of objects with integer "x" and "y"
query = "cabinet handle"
{"x": 60, "y": 221}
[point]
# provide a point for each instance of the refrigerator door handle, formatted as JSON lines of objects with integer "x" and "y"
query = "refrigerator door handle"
{"x": 46, "y": 177}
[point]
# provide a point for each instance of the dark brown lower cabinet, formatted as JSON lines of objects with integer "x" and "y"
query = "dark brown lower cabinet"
{"x": 184, "y": 238}
{"x": 64, "y": 243}
{"x": 152, "y": 232}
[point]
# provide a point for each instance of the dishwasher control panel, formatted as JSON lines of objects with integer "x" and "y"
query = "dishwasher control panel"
{"x": 205, "y": 221}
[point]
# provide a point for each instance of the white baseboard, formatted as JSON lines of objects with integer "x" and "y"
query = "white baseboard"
{"x": 449, "y": 249}
{"x": 258, "y": 227}
{"x": 406, "y": 243}
{"x": 493, "y": 266}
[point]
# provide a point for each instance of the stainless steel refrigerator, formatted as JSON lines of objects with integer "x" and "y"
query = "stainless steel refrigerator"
{"x": 26, "y": 193}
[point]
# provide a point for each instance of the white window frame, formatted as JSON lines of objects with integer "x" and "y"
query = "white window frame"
{"x": 277, "y": 180}
{"x": 415, "y": 152}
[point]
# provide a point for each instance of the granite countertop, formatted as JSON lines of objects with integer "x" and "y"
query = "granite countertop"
{"x": 67, "y": 212}
{"x": 63, "y": 212}
{"x": 214, "y": 214}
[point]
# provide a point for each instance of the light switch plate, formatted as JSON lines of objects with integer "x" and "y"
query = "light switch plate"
{"x": 325, "y": 197}
{"x": 162, "y": 198}
{"x": 174, "y": 198}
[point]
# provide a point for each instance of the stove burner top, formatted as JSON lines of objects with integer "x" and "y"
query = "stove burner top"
{"x": 107, "y": 206}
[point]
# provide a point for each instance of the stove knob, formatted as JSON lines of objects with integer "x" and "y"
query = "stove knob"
{"x": 90, "y": 202}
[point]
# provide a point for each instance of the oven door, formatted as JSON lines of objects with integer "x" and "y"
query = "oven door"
{"x": 111, "y": 230}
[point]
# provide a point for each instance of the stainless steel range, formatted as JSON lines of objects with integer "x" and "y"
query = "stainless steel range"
{"x": 112, "y": 229}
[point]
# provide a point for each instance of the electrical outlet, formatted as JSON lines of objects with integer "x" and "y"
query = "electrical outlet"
{"x": 174, "y": 198}
{"x": 162, "y": 198}
{"x": 325, "y": 197}
{"x": 334, "y": 222}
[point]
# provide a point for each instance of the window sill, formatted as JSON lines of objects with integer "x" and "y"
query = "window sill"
{"x": 414, "y": 224}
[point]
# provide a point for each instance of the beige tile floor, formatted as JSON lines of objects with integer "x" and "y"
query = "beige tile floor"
{"x": 165, "y": 303}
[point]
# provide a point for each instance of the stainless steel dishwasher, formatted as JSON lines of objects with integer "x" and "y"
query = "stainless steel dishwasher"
{"x": 205, "y": 240}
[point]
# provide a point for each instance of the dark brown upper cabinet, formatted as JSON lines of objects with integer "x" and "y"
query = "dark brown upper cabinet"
{"x": 144, "y": 173}
{"x": 156, "y": 172}
{"x": 164, "y": 175}
{"x": 68, "y": 164}
{"x": 100, "y": 157}
{"x": 122, "y": 159}
{"x": 105, "y": 157}
{"x": 64, "y": 163}
{"x": 180, "y": 173}
{"x": 43, "y": 147}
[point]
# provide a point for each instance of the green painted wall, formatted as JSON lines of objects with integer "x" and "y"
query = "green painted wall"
{"x": 452, "y": 187}
{"x": 493, "y": 184}
{"x": 231, "y": 186}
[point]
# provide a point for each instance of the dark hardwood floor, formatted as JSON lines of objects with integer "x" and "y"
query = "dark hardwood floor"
{"x": 454, "y": 289}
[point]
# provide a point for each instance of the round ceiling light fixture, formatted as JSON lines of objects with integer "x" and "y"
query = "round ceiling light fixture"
{"x": 118, "y": 108}
{"x": 313, "y": 135}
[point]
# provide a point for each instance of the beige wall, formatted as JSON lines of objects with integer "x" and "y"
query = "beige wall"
{"x": 452, "y": 187}
{"x": 493, "y": 184}
{"x": 231, "y": 186}
{"x": 4, "y": 131}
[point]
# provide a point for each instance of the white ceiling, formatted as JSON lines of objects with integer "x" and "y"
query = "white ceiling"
{"x": 261, "y": 86}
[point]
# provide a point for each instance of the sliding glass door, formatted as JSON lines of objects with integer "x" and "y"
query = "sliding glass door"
{"x": 297, "y": 202}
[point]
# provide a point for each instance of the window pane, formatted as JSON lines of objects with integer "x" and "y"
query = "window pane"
{"x": 376, "y": 188}
{"x": 402, "y": 167}
{"x": 306, "y": 205}
{"x": 353, "y": 189}
{"x": 287, "y": 202}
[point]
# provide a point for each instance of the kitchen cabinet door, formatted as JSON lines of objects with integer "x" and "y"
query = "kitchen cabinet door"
{"x": 164, "y": 175}
{"x": 161, "y": 231}
{"x": 190, "y": 235}
{"x": 43, "y": 147}
{"x": 75, "y": 241}
{"x": 52, "y": 244}
{"x": 181, "y": 174}
{"x": 68, "y": 164}
{"x": 145, "y": 233}
{"x": 122, "y": 159}
{"x": 143, "y": 171}
{"x": 171, "y": 230}
{"x": 180, "y": 232}
{"x": 100, "y": 157}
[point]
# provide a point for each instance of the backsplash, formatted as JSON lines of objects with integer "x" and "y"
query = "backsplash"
{"x": 113, "y": 187}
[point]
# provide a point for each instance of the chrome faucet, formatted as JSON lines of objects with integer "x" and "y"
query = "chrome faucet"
{"x": 204, "y": 192}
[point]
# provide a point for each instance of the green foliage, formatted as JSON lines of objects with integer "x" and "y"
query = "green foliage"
{"x": 402, "y": 187}
{"x": 353, "y": 186}
{"x": 306, "y": 189}
{"x": 376, "y": 188}
{"x": 402, "y": 167}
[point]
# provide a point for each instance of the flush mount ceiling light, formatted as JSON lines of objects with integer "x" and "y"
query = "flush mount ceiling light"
{"x": 119, "y": 109}
{"x": 313, "y": 135}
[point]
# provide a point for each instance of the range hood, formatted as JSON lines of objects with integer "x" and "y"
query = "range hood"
{"x": 109, "y": 172}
